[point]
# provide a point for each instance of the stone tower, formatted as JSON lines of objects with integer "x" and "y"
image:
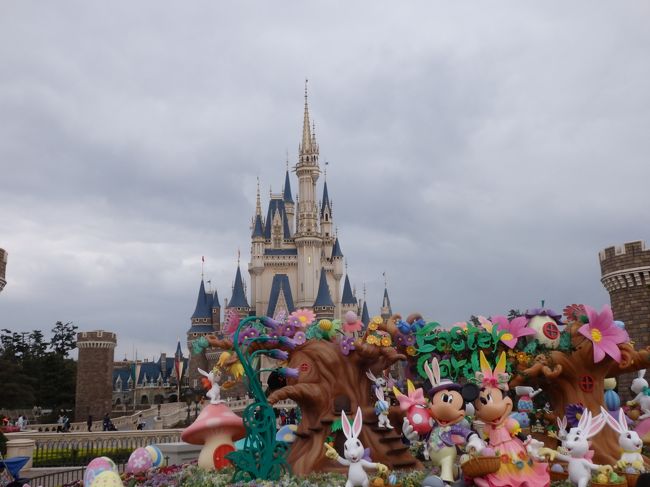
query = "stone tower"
{"x": 625, "y": 272}
{"x": 94, "y": 374}
{"x": 3, "y": 268}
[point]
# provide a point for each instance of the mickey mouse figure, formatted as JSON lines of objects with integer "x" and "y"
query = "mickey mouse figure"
{"x": 448, "y": 401}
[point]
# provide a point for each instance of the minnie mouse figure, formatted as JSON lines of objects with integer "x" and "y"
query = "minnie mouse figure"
{"x": 493, "y": 407}
{"x": 448, "y": 401}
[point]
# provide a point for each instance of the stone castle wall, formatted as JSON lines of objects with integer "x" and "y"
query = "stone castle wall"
{"x": 94, "y": 374}
{"x": 625, "y": 272}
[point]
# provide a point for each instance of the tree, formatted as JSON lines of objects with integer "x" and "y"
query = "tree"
{"x": 64, "y": 337}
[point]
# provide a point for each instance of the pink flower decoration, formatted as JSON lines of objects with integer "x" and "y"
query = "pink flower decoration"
{"x": 305, "y": 316}
{"x": 352, "y": 327}
{"x": 514, "y": 329}
{"x": 485, "y": 323}
{"x": 603, "y": 333}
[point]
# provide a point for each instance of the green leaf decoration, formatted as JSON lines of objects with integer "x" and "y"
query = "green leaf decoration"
{"x": 565, "y": 340}
{"x": 420, "y": 365}
{"x": 531, "y": 348}
{"x": 336, "y": 425}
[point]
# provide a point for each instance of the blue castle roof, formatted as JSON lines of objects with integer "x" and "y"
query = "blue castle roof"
{"x": 215, "y": 300}
{"x": 348, "y": 297}
{"x": 365, "y": 317}
{"x": 336, "y": 250}
{"x": 326, "y": 200}
{"x": 324, "y": 298}
{"x": 280, "y": 283}
{"x": 258, "y": 231}
{"x": 287, "y": 189}
{"x": 276, "y": 204}
{"x": 238, "y": 299}
{"x": 203, "y": 304}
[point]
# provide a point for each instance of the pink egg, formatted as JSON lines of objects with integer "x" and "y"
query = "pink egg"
{"x": 351, "y": 317}
{"x": 139, "y": 461}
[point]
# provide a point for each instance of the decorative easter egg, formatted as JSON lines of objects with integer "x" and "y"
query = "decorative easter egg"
{"x": 139, "y": 461}
{"x": 351, "y": 317}
{"x": 547, "y": 331}
{"x": 420, "y": 418}
{"x": 97, "y": 466}
{"x": 156, "y": 455}
{"x": 392, "y": 479}
{"x": 107, "y": 479}
{"x": 487, "y": 452}
{"x": 557, "y": 468}
{"x": 631, "y": 470}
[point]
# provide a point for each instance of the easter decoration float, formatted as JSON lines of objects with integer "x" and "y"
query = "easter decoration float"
{"x": 561, "y": 365}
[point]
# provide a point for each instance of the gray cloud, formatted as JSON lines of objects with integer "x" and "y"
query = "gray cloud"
{"x": 481, "y": 157}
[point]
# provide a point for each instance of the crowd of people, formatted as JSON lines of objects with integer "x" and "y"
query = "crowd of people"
{"x": 20, "y": 422}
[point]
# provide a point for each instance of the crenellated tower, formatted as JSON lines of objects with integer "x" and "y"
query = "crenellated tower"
{"x": 625, "y": 272}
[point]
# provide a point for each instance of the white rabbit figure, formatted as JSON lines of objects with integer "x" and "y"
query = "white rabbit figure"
{"x": 214, "y": 394}
{"x": 381, "y": 410}
{"x": 561, "y": 428}
{"x": 577, "y": 446}
{"x": 354, "y": 452}
{"x": 629, "y": 441}
{"x": 640, "y": 388}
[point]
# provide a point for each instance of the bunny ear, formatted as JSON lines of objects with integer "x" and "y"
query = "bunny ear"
{"x": 501, "y": 364}
{"x": 640, "y": 374}
{"x": 410, "y": 388}
{"x": 485, "y": 365}
{"x": 622, "y": 420}
{"x": 358, "y": 422}
{"x": 565, "y": 422}
{"x": 371, "y": 376}
{"x": 430, "y": 374}
{"x": 561, "y": 423}
{"x": 347, "y": 430}
{"x": 611, "y": 422}
{"x": 202, "y": 372}
{"x": 397, "y": 392}
{"x": 585, "y": 420}
{"x": 595, "y": 425}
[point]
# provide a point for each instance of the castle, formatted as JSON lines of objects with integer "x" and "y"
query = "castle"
{"x": 3, "y": 268}
{"x": 296, "y": 258}
{"x": 625, "y": 272}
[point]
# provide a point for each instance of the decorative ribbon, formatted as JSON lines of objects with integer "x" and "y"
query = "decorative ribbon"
{"x": 413, "y": 399}
{"x": 497, "y": 380}
{"x": 646, "y": 391}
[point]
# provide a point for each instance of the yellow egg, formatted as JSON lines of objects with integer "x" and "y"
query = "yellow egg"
{"x": 107, "y": 479}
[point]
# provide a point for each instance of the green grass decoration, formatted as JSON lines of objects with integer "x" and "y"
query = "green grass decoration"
{"x": 262, "y": 457}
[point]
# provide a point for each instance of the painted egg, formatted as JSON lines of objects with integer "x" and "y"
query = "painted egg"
{"x": 547, "y": 331}
{"x": 420, "y": 418}
{"x": 392, "y": 479}
{"x": 155, "y": 454}
{"x": 351, "y": 317}
{"x": 487, "y": 452}
{"x": 97, "y": 466}
{"x": 139, "y": 461}
{"x": 107, "y": 479}
{"x": 556, "y": 467}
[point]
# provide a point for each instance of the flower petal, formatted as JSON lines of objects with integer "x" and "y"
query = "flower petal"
{"x": 510, "y": 343}
{"x": 611, "y": 349}
{"x": 599, "y": 353}
{"x": 502, "y": 321}
{"x": 586, "y": 331}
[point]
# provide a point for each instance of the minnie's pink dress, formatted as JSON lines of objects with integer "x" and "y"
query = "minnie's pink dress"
{"x": 517, "y": 468}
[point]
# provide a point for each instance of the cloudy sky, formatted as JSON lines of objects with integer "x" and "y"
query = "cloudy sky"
{"x": 480, "y": 156}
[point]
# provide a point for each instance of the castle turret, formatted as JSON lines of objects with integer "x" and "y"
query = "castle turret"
{"x": 216, "y": 312}
{"x": 201, "y": 320}
{"x": 256, "y": 265}
{"x": 238, "y": 301}
{"x": 94, "y": 393}
{"x": 288, "y": 203}
{"x": 323, "y": 306}
{"x": 348, "y": 300}
{"x": 386, "y": 310}
{"x": 307, "y": 237}
{"x": 365, "y": 317}
{"x": 326, "y": 220}
{"x": 625, "y": 272}
{"x": 337, "y": 273}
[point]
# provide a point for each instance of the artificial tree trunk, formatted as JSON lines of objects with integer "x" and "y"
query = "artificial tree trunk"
{"x": 566, "y": 377}
{"x": 328, "y": 382}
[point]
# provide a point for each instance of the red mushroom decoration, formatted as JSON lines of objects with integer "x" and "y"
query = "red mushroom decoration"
{"x": 217, "y": 428}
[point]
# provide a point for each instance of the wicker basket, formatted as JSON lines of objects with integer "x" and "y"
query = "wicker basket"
{"x": 632, "y": 478}
{"x": 598, "y": 484}
{"x": 480, "y": 466}
{"x": 558, "y": 476}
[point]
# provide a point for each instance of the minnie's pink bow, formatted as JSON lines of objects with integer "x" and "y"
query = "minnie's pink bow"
{"x": 495, "y": 380}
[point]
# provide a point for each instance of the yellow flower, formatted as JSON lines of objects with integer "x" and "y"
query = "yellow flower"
{"x": 372, "y": 326}
{"x": 223, "y": 358}
{"x": 386, "y": 341}
{"x": 325, "y": 325}
{"x": 377, "y": 319}
{"x": 410, "y": 350}
{"x": 522, "y": 358}
{"x": 237, "y": 370}
{"x": 372, "y": 340}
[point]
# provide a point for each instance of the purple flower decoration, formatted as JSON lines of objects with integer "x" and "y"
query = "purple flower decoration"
{"x": 294, "y": 321}
{"x": 288, "y": 372}
{"x": 299, "y": 337}
{"x": 279, "y": 354}
{"x": 573, "y": 413}
{"x": 289, "y": 342}
{"x": 287, "y": 329}
{"x": 409, "y": 340}
{"x": 347, "y": 345}
{"x": 400, "y": 339}
{"x": 248, "y": 334}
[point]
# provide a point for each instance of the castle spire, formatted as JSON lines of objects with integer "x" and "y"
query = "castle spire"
{"x": 325, "y": 204}
{"x": 258, "y": 204}
{"x": 348, "y": 297}
{"x": 202, "y": 309}
{"x": 238, "y": 299}
{"x": 287, "y": 188}
{"x": 305, "y": 147}
{"x": 324, "y": 298}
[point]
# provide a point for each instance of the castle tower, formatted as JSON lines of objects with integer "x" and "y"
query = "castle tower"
{"x": 326, "y": 220}
{"x": 238, "y": 300}
{"x": 625, "y": 272}
{"x": 3, "y": 269}
{"x": 288, "y": 203}
{"x": 202, "y": 320}
{"x": 256, "y": 265}
{"x": 216, "y": 312}
{"x": 94, "y": 374}
{"x": 348, "y": 300}
{"x": 307, "y": 238}
{"x": 386, "y": 310}
{"x": 323, "y": 306}
{"x": 365, "y": 317}
{"x": 337, "y": 272}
